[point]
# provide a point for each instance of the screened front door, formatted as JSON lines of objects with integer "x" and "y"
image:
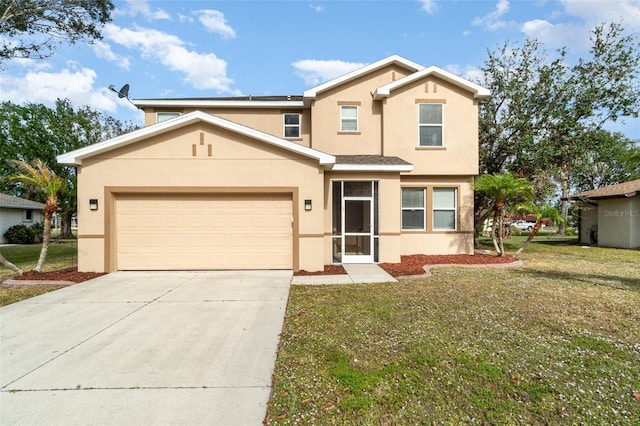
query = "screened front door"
{"x": 357, "y": 238}
{"x": 354, "y": 215}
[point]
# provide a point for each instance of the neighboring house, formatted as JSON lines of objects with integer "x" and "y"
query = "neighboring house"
{"x": 18, "y": 211}
{"x": 610, "y": 216}
{"x": 364, "y": 168}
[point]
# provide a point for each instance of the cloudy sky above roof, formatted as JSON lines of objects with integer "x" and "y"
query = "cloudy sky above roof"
{"x": 227, "y": 48}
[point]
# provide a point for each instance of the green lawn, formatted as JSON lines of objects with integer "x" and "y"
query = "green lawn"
{"x": 62, "y": 254}
{"x": 556, "y": 341}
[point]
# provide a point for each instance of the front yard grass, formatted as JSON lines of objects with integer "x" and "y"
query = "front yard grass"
{"x": 556, "y": 341}
{"x": 62, "y": 254}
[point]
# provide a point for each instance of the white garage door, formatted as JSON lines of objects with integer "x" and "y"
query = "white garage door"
{"x": 186, "y": 232}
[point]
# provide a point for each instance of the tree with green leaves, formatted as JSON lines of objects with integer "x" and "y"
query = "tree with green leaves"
{"x": 543, "y": 110}
{"x": 34, "y": 28}
{"x": 542, "y": 212}
{"x": 504, "y": 190}
{"x": 42, "y": 178}
{"x": 33, "y": 131}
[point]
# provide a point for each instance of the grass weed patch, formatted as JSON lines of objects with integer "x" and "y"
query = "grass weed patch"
{"x": 556, "y": 341}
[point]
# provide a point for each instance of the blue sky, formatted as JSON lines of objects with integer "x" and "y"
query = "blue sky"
{"x": 204, "y": 48}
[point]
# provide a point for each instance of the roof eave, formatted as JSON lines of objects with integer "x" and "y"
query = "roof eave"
{"x": 397, "y": 168}
{"x": 204, "y": 103}
{"x": 311, "y": 94}
{"x": 74, "y": 158}
{"x": 478, "y": 91}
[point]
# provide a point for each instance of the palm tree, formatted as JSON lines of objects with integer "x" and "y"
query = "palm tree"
{"x": 10, "y": 265}
{"x": 42, "y": 178}
{"x": 542, "y": 212}
{"x": 503, "y": 189}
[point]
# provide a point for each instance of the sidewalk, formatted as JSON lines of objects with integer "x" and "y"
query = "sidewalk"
{"x": 356, "y": 274}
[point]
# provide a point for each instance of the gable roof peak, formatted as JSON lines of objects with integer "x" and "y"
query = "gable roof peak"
{"x": 389, "y": 60}
{"x": 478, "y": 91}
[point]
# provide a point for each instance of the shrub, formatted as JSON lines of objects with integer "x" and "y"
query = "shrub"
{"x": 38, "y": 229}
{"x": 20, "y": 234}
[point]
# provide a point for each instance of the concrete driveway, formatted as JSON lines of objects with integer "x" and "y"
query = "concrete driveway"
{"x": 144, "y": 348}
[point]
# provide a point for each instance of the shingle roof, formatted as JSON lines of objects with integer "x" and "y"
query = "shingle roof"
{"x": 626, "y": 189}
{"x": 11, "y": 202}
{"x": 371, "y": 163}
{"x": 371, "y": 160}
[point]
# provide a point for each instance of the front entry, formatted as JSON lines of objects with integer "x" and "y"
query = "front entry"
{"x": 355, "y": 221}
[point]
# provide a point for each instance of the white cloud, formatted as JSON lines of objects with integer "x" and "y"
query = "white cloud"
{"x": 588, "y": 14}
{"x": 575, "y": 35}
{"x": 596, "y": 11}
{"x": 470, "y": 72}
{"x": 200, "y": 70}
{"x": 215, "y": 22}
{"x": 492, "y": 20}
{"x": 314, "y": 71}
{"x": 103, "y": 50}
{"x": 135, "y": 7}
{"x": 47, "y": 87}
{"x": 428, "y": 6}
{"x": 316, "y": 8}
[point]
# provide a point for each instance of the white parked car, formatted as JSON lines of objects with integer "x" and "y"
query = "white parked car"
{"x": 523, "y": 225}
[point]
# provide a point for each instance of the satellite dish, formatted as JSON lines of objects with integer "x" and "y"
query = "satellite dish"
{"x": 123, "y": 92}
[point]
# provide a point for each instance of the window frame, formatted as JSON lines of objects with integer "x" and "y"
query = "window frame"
{"x": 286, "y": 126}
{"x": 434, "y": 125}
{"x": 453, "y": 209}
{"x": 349, "y": 119}
{"x": 423, "y": 209}
{"x": 28, "y": 215}
{"x": 169, "y": 115}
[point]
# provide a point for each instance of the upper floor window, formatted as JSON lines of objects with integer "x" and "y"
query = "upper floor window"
{"x": 166, "y": 115}
{"x": 445, "y": 203}
{"x": 348, "y": 118}
{"x": 292, "y": 125}
{"x": 413, "y": 208}
{"x": 430, "y": 124}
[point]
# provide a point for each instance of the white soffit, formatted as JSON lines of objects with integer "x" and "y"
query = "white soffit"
{"x": 478, "y": 91}
{"x": 74, "y": 158}
{"x": 394, "y": 59}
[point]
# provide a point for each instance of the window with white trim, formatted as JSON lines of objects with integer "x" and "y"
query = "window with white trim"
{"x": 413, "y": 208}
{"x": 430, "y": 123}
{"x": 166, "y": 115}
{"x": 445, "y": 208}
{"x": 291, "y": 125}
{"x": 348, "y": 118}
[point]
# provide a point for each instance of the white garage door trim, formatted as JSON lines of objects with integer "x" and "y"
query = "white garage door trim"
{"x": 203, "y": 231}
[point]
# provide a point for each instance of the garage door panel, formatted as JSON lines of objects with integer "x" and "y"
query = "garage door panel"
{"x": 156, "y": 232}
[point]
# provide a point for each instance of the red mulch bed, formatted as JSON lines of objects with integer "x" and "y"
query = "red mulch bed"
{"x": 328, "y": 270}
{"x": 67, "y": 274}
{"x": 413, "y": 264}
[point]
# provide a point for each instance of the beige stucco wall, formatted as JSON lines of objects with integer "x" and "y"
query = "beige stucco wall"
{"x": 618, "y": 221}
{"x": 166, "y": 162}
{"x": 429, "y": 241}
{"x": 325, "y": 126}
{"x": 268, "y": 120}
{"x": 459, "y": 153}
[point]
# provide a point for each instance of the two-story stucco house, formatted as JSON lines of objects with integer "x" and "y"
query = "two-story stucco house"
{"x": 364, "y": 168}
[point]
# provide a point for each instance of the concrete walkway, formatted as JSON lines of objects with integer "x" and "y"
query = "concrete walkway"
{"x": 356, "y": 274}
{"x": 143, "y": 348}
